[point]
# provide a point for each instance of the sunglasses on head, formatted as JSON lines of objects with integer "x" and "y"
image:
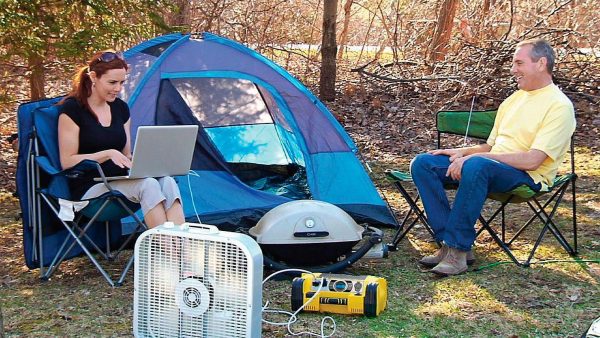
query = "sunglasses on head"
{"x": 109, "y": 56}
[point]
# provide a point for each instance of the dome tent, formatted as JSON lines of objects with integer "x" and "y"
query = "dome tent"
{"x": 260, "y": 129}
{"x": 264, "y": 139}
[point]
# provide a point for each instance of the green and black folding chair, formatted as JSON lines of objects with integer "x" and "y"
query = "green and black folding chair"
{"x": 414, "y": 213}
{"x": 544, "y": 204}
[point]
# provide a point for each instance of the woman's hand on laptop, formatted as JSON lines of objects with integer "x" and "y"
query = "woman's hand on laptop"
{"x": 119, "y": 158}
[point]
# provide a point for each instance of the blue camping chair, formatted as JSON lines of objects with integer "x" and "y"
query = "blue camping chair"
{"x": 50, "y": 237}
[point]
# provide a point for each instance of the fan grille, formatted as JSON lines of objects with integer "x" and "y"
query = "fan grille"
{"x": 192, "y": 287}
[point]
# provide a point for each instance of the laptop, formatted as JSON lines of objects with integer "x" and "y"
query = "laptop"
{"x": 161, "y": 151}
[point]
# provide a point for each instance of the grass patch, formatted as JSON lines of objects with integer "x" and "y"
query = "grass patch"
{"x": 557, "y": 299}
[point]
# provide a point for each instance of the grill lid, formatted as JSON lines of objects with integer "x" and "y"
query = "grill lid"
{"x": 306, "y": 221}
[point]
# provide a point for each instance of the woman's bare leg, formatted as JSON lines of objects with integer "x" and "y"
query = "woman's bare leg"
{"x": 156, "y": 216}
{"x": 175, "y": 213}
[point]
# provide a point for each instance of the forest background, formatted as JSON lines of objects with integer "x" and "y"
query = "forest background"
{"x": 394, "y": 64}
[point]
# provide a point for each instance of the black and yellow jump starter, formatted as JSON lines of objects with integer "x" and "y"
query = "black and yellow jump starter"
{"x": 344, "y": 294}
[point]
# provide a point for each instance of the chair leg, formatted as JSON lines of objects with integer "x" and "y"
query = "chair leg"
{"x": 486, "y": 223}
{"x": 539, "y": 210}
{"x": 414, "y": 207}
{"x": 140, "y": 225}
{"x": 553, "y": 227}
{"x": 59, "y": 258}
{"x": 56, "y": 263}
{"x": 540, "y": 213}
{"x": 503, "y": 225}
{"x": 574, "y": 208}
{"x": 401, "y": 232}
{"x": 419, "y": 215}
{"x": 108, "y": 251}
{"x": 79, "y": 234}
{"x": 537, "y": 213}
{"x": 501, "y": 243}
{"x": 521, "y": 229}
{"x": 31, "y": 198}
{"x": 40, "y": 242}
{"x": 548, "y": 223}
{"x": 125, "y": 271}
{"x": 83, "y": 234}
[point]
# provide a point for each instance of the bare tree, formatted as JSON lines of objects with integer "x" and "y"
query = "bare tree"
{"x": 37, "y": 77}
{"x": 344, "y": 33}
{"x": 180, "y": 15}
{"x": 487, "y": 5}
{"x": 443, "y": 30}
{"x": 1, "y": 323}
{"x": 328, "y": 51}
{"x": 211, "y": 14}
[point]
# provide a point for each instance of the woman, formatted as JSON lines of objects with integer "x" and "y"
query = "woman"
{"x": 94, "y": 125}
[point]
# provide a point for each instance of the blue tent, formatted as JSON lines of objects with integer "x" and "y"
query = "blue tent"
{"x": 264, "y": 138}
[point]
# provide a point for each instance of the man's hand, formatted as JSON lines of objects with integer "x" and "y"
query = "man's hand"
{"x": 456, "y": 158}
{"x": 455, "y": 168}
{"x": 453, "y": 153}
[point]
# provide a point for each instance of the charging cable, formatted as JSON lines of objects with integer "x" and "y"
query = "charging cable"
{"x": 293, "y": 316}
{"x": 549, "y": 261}
{"x": 193, "y": 173}
{"x": 469, "y": 121}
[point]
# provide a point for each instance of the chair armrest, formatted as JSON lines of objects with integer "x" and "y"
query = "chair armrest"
{"x": 80, "y": 168}
{"x": 83, "y": 166}
{"x": 88, "y": 165}
{"x": 397, "y": 175}
{"x": 77, "y": 170}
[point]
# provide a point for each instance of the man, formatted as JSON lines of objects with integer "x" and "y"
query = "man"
{"x": 530, "y": 137}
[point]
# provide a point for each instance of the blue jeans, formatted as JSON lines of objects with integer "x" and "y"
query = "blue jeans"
{"x": 456, "y": 226}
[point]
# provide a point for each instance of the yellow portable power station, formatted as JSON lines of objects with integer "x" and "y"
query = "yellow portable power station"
{"x": 344, "y": 294}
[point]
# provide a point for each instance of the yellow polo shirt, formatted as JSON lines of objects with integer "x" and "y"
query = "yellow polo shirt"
{"x": 543, "y": 119}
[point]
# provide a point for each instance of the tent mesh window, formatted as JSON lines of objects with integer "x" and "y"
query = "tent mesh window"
{"x": 249, "y": 131}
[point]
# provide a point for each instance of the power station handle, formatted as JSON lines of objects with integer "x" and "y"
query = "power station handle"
{"x": 334, "y": 301}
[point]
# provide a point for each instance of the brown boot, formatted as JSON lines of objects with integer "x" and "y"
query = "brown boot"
{"x": 454, "y": 263}
{"x": 433, "y": 260}
{"x": 436, "y": 258}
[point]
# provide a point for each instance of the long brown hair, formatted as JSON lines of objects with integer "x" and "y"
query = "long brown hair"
{"x": 82, "y": 83}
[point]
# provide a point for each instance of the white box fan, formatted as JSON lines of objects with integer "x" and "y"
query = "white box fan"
{"x": 196, "y": 281}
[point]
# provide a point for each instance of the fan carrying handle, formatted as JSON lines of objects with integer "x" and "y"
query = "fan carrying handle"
{"x": 200, "y": 228}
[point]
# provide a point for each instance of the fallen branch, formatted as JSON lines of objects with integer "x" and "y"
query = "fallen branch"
{"x": 397, "y": 80}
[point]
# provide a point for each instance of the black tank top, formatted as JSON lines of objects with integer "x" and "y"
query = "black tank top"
{"x": 94, "y": 137}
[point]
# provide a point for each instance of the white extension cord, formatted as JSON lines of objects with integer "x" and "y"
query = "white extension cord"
{"x": 293, "y": 316}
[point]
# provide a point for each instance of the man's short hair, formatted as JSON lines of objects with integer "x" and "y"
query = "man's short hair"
{"x": 540, "y": 48}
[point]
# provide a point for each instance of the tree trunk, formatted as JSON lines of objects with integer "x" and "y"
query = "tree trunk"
{"x": 443, "y": 30}
{"x": 487, "y": 5}
{"x": 37, "y": 77}
{"x": 483, "y": 26}
{"x": 180, "y": 17}
{"x": 344, "y": 33}
{"x": 328, "y": 51}
{"x": 1, "y": 323}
